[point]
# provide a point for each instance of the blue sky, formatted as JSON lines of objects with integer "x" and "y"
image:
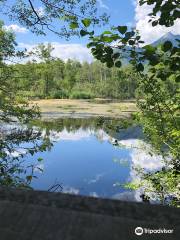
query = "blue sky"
{"x": 122, "y": 12}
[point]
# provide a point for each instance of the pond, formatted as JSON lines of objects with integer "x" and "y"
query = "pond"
{"x": 92, "y": 157}
{"x": 89, "y": 156}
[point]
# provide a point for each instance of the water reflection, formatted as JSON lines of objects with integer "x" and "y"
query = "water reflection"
{"x": 16, "y": 142}
{"x": 141, "y": 157}
{"x": 89, "y": 156}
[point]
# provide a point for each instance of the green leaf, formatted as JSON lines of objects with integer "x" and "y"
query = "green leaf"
{"x": 107, "y": 39}
{"x": 161, "y": 75}
{"x": 98, "y": 53}
{"x": 29, "y": 178}
{"x": 131, "y": 42}
{"x": 128, "y": 35}
{"x": 140, "y": 67}
{"x": 91, "y": 44}
{"x": 40, "y": 159}
{"x": 91, "y": 33}
{"x": 110, "y": 64}
{"x": 83, "y": 33}
{"x": 72, "y": 17}
{"x": 108, "y": 50}
{"x": 167, "y": 46}
{"x": 73, "y": 25}
{"x": 122, "y": 29}
{"x": 86, "y": 22}
{"x": 115, "y": 37}
{"x": 106, "y": 33}
{"x": 118, "y": 64}
{"x": 149, "y": 50}
{"x": 153, "y": 60}
{"x": 177, "y": 79}
{"x": 103, "y": 60}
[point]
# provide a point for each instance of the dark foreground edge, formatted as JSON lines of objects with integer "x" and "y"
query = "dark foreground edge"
{"x": 38, "y": 215}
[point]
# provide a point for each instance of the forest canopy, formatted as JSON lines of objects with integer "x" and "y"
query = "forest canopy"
{"x": 72, "y": 79}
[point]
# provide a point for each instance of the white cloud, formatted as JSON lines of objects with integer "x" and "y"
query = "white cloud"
{"x": 125, "y": 196}
{"x": 93, "y": 194}
{"x": 73, "y": 51}
{"x": 140, "y": 157}
{"x": 66, "y": 51}
{"x": 70, "y": 190}
{"x": 16, "y": 153}
{"x": 150, "y": 34}
{"x": 140, "y": 154}
{"x": 70, "y": 136}
{"x": 77, "y": 135}
{"x": 102, "y": 5}
{"x": 16, "y": 28}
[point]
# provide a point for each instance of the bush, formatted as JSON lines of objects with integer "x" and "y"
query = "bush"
{"x": 29, "y": 95}
{"x": 61, "y": 94}
{"x": 81, "y": 95}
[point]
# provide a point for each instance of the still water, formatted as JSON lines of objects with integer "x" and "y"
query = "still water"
{"x": 92, "y": 157}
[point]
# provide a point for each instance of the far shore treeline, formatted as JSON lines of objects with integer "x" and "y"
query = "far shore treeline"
{"x": 71, "y": 79}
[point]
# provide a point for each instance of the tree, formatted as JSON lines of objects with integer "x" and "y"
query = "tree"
{"x": 155, "y": 66}
{"x": 164, "y": 12}
{"x": 71, "y": 78}
{"x": 13, "y": 117}
{"x": 40, "y": 17}
{"x": 44, "y": 53}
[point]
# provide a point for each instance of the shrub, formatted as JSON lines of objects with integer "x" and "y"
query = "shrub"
{"x": 28, "y": 95}
{"x": 81, "y": 95}
{"x": 60, "y": 94}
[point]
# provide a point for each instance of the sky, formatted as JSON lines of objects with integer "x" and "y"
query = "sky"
{"x": 122, "y": 12}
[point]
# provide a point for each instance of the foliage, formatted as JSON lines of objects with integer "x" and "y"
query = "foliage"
{"x": 156, "y": 68}
{"x": 60, "y": 94}
{"x": 44, "y": 54}
{"x": 110, "y": 126}
{"x": 81, "y": 95}
{"x": 68, "y": 14}
{"x": 55, "y": 78}
{"x": 14, "y": 117}
{"x": 164, "y": 12}
{"x": 161, "y": 185}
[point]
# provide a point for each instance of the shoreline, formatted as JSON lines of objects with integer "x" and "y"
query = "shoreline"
{"x": 63, "y": 108}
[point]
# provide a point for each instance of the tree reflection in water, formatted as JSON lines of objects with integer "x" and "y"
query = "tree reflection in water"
{"x": 16, "y": 142}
